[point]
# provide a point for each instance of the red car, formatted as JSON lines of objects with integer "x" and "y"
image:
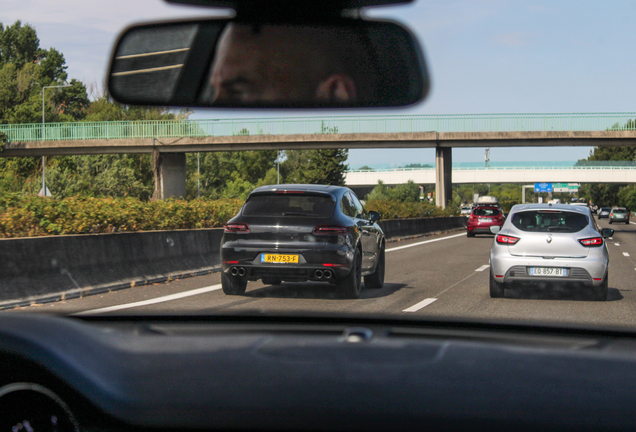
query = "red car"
{"x": 482, "y": 218}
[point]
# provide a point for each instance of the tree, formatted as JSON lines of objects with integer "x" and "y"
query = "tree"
{"x": 326, "y": 166}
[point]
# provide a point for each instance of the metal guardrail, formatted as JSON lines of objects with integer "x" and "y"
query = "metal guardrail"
{"x": 456, "y": 168}
{"x": 321, "y": 125}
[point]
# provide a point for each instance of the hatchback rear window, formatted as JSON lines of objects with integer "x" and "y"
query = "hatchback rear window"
{"x": 485, "y": 212}
{"x": 289, "y": 205}
{"x": 549, "y": 221}
{"x": 622, "y": 211}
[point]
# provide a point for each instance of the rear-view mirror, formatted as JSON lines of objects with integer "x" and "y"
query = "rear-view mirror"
{"x": 495, "y": 229}
{"x": 607, "y": 232}
{"x": 343, "y": 62}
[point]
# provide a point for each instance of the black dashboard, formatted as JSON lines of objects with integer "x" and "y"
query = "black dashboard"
{"x": 310, "y": 373}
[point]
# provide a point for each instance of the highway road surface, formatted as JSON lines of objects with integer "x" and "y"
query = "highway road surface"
{"x": 437, "y": 276}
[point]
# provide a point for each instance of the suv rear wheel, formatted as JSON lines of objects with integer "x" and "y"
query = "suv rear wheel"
{"x": 351, "y": 285}
{"x": 376, "y": 280}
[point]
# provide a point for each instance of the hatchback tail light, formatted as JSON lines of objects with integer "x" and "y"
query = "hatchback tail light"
{"x": 510, "y": 240}
{"x": 592, "y": 242}
{"x": 242, "y": 228}
{"x": 331, "y": 230}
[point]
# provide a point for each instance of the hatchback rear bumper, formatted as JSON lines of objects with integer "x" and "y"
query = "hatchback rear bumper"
{"x": 510, "y": 269}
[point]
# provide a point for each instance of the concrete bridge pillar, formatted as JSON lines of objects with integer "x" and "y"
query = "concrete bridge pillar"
{"x": 443, "y": 176}
{"x": 170, "y": 175}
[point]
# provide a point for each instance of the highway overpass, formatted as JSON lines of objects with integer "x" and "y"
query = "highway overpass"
{"x": 509, "y": 174}
{"x": 169, "y": 140}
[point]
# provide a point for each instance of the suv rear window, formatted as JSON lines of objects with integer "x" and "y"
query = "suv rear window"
{"x": 289, "y": 205}
{"x": 485, "y": 212}
{"x": 620, "y": 210}
{"x": 549, "y": 221}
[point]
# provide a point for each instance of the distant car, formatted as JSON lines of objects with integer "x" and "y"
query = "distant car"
{"x": 604, "y": 212}
{"x": 482, "y": 218}
{"x": 465, "y": 211}
{"x": 619, "y": 214}
{"x": 541, "y": 244}
{"x": 303, "y": 233}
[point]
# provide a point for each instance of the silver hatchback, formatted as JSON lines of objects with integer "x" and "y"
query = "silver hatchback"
{"x": 543, "y": 243}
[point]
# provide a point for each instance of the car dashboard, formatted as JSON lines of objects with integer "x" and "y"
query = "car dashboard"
{"x": 262, "y": 372}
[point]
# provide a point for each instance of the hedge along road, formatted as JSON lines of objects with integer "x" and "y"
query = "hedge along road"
{"x": 440, "y": 276}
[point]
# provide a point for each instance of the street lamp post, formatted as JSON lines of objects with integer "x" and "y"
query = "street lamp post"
{"x": 43, "y": 157}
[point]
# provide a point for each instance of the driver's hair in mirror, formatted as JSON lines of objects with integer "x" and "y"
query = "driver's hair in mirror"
{"x": 273, "y": 64}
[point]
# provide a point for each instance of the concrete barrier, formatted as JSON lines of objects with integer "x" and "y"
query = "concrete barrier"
{"x": 46, "y": 269}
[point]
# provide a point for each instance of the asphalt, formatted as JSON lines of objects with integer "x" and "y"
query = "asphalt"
{"x": 438, "y": 276}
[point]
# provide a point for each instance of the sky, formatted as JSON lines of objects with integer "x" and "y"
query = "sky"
{"x": 484, "y": 56}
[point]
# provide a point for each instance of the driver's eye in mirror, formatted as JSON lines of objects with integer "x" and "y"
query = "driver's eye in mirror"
{"x": 224, "y": 63}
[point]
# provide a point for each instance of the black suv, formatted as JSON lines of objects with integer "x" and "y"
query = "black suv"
{"x": 300, "y": 233}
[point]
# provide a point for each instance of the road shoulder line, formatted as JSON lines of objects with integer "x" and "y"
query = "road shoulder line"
{"x": 151, "y": 301}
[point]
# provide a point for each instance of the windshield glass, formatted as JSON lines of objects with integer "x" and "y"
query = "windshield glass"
{"x": 288, "y": 205}
{"x": 486, "y": 212}
{"x": 545, "y": 221}
{"x": 110, "y": 209}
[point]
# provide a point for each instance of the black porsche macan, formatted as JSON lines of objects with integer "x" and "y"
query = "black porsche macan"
{"x": 303, "y": 233}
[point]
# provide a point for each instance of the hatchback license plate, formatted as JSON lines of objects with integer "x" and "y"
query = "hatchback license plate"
{"x": 548, "y": 271}
{"x": 278, "y": 258}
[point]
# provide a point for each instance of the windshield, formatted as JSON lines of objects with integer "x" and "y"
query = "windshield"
{"x": 286, "y": 205}
{"x": 547, "y": 221}
{"x": 110, "y": 209}
{"x": 486, "y": 212}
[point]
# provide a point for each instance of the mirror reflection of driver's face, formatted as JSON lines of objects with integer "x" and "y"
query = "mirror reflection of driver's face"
{"x": 270, "y": 64}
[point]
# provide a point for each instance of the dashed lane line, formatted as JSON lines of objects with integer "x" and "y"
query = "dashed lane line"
{"x": 482, "y": 268}
{"x": 420, "y": 305}
{"x": 424, "y": 303}
{"x": 424, "y": 242}
{"x": 151, "y": 301}
{"x": 625, "y": 254}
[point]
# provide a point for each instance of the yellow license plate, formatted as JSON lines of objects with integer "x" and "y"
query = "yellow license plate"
{"x": 277, "y": 258}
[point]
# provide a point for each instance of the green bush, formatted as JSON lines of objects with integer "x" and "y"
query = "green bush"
{"x": 29, "y": 216}
{"x": 391, "y": 209}
{"x": 33, "y": 216}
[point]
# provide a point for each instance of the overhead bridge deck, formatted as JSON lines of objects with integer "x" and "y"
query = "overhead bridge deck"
{"x": 169, "y": 139}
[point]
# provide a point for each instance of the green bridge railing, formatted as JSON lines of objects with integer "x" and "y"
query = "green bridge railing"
{"x": 321, "y": 125}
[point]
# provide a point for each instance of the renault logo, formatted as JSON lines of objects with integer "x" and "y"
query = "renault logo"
{"x": 549, "y": 238}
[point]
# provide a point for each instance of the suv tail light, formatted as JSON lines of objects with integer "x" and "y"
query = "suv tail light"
{"x": 510, "y": 240}
{"x": 331, "y": 230}
{"x": 592, "y": 242}
{"x": 242, "y": 228}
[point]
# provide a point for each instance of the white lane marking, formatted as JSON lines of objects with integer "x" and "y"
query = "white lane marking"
{"x": 434, "y": 299}
{"x": 482, "y": 268}
{"x": 617, "y": 244}
{"x": 424, "y": 242}
{"x": 610, "y": 238}
{"x": 625, "y": 253}
{"x": 420, "y": 305}
{"x": 152, "y": 301}
{"x": 633, "y": 223}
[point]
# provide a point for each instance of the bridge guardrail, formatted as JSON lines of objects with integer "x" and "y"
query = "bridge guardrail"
{"x": 322, "y": 125}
